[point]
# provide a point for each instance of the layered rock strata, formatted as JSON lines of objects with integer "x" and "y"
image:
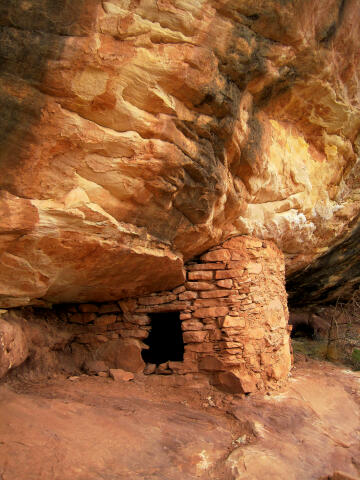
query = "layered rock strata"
{"x": 136, "y": 135}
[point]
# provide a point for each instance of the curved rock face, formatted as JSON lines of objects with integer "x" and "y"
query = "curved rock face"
{"x": 137, "y": 134}
{"x": 333, "y": 276}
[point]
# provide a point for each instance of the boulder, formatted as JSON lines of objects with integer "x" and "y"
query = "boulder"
{"x": 149, "y": 369}
{"x": 94, "y": 367}
{"x": 235, "y": 381}
{"x": 120, "y": 375}
{"x": 14, "y": 348}
{"x": 124, "y": 354}
{"x": 163, "y": 369}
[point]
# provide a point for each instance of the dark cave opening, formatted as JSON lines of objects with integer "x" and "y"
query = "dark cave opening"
{"x": 165, "y": 339}
{"x": 302, "y": 330}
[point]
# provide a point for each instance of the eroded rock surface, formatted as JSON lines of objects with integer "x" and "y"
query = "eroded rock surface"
{"x": 93, "y": 428}
{"x": 306, "y": 433}
{"x": 13, "y": 345}
{"x": 38, "y": 344}
{"x": 137, "y": 134}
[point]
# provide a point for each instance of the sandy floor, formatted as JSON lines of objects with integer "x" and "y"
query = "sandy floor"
{"x": 94, "y": 428}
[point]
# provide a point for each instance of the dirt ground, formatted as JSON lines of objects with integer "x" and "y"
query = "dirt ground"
{"x": 93, "y": 428}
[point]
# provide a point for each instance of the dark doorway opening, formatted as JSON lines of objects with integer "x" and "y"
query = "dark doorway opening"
{"x": 165, "y": 339}
{"x": 302, "y": 330}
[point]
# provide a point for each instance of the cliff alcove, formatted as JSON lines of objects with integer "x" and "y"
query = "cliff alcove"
{"x": 227, "y": 323}
{"x": 166, "y": 166}
{"x": 137, "y": 135}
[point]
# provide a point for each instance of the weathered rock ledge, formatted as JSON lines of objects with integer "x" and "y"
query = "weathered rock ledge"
{"x": 136, "y": 135}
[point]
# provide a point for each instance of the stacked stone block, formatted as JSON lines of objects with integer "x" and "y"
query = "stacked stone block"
{"x": 233, "y": 309}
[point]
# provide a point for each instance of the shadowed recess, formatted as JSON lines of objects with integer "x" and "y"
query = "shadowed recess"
{"x": 165, "y": 339}
{"x": 335, "y": 275}
{"x": 302, "y": 330}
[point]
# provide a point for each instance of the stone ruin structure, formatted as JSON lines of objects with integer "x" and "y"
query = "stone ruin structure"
{"x": 167, "y": 131}
{"x": 233, "y": 315}
{"x": 227, "y": 323}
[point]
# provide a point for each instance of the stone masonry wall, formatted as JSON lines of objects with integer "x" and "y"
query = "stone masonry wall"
{"x": 233, "y": 309}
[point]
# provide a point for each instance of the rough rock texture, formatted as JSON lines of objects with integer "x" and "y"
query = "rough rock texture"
{"x": 136, "y": 134}
{"x": 39, "y": 344}
{"x": 122, "y": 354}
{"x": 306, "y": 433}
{"x": 13, "y": 346}
{"x": 95, "y": 428}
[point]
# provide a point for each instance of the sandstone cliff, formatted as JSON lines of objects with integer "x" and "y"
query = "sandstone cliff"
{"x": 137, "y": 134}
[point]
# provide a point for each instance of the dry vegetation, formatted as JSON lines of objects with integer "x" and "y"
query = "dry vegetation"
{"x": 331, "y": 333}
{"x": 344, "y": 332}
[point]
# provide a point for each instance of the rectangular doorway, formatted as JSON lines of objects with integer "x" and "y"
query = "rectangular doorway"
{"x": 165, "y": 339}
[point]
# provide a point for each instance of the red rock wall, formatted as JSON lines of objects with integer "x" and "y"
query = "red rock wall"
{"x": 136, "y": 135}
{"x": 234, "y": 315}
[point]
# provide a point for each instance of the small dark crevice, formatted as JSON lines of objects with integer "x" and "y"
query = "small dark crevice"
{"x": 341, "y": 11}
{"x": 329, "y": 34}
{"x": 209, "y": 98}
{"x": 331, "y": 31}
{"x": 253, "y": 17}
{"x": 302, "y": 330}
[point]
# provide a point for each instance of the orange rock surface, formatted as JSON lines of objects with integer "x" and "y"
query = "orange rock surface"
{"x": 135, "y": 135}
{"x": 94, "y": 428}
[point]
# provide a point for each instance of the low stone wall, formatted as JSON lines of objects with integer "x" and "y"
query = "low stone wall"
{"x": 233, "y": 309}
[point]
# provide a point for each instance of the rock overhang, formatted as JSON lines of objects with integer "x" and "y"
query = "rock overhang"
{"x": 191, "y": 125}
